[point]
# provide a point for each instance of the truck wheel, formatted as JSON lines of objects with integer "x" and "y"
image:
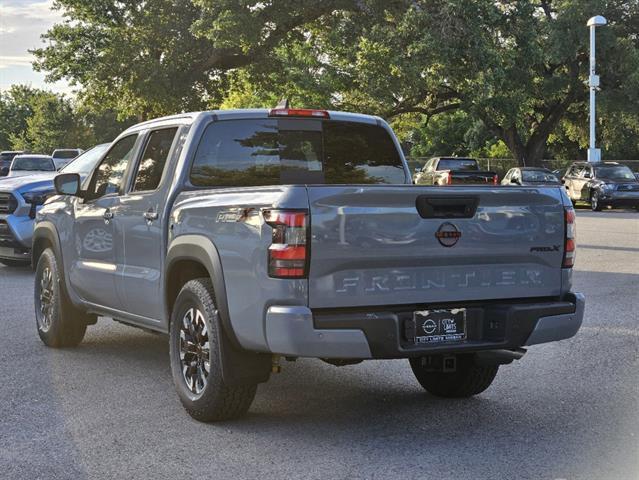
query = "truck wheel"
{"x": 467, "y": 380}
{"x": 13, "y": 263}
{"x": 195, "y": 359}
{"x": 59, "y": 322}
{"x": 595, "y": 204}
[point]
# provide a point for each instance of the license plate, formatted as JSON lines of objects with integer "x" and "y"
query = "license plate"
{"x": 436, "y": 326}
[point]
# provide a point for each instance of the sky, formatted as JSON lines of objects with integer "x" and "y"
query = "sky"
{"x": 21, "y": 24}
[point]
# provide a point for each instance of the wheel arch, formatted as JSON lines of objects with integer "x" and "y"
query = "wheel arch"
{"x": 45, "y": 236}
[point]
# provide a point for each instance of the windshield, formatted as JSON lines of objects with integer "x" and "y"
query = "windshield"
{"x": 539, "y": 176}
{"x": 614, "y": 172}
{"x": 5, "y": 158}
{"x": 295, "y": 151}
{"x": 86, "y": 162}
{"x": 65, "y": 154}
{"x": 39, "y": 164}
{"x": 458, "y": 164}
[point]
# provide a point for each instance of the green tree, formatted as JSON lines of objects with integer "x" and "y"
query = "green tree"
{"x": 51, "y": 125}
{"x": 16, "y": 106}
{"x": 519, "y": 66}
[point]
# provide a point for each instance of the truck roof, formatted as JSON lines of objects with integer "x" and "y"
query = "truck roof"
{"x": 191, "y": 117}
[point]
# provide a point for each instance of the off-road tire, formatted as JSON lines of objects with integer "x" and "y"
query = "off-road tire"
{"x": 217, "y": 401}
{"x": 595, "y": 203}
{"x": 469, "y": 379}
{"x": 63, "y": 325}
{"x": 14, "y": 263}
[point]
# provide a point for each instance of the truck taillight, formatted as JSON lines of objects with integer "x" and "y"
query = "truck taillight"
{"x": 288, "y": 255}
{"x": 570, "y": 245}
{"x": 449, "y": 178}
{"x": 495, "y": 179}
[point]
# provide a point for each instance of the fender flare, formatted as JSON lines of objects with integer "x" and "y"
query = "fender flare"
{"x": 239, "y": 366}
{"x": 47, "y": 231}
{"x": 200, "y": 249}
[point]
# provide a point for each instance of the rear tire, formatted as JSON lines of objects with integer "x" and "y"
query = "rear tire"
{"x": 14, "y": 263}
{"x": 469, "y": 378}
{"x": 195, "y": 358}
{"x": 60, "y": 324}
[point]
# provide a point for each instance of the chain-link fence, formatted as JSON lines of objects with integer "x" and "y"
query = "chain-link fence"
{"x": 501, "y": 165}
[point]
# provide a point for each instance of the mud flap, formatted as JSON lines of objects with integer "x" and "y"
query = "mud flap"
{"x": 241, "y": 367}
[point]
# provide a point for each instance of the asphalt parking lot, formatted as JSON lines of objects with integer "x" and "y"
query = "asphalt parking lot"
{"x": 108, "y": 408}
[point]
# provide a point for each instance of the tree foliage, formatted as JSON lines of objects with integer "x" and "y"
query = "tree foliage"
{"x": 40, "y": 121}
{"x": 518, "y": 67}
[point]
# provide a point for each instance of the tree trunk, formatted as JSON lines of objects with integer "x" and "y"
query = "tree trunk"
{"x": 511, "y": 138}
{"x": 529, "y": 154}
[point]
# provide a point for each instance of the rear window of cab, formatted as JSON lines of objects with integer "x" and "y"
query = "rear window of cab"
{"x": 253, "y": 152}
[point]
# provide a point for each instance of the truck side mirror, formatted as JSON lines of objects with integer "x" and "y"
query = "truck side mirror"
{"x": 67, "y": 184}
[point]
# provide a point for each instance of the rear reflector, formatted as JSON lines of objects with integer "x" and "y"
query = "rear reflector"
{"x": 570, "y": 239}
{"x": 298, "y": 112}
{"x": 288, "y": 253}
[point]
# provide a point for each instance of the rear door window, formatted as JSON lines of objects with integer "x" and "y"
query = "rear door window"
{"x": 151, "y": 165}
{"x": 295, "y": 151}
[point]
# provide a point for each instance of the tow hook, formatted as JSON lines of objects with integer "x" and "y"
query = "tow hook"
{"x": 449, "y": 364}
{"x": 275, "y": 364}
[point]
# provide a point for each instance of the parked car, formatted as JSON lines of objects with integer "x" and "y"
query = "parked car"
{"x": 602, "y": 184}
{"x": 250, "y": 235}
{"x": 28, "y": 164}
{"x": 6, "y": 158}
{"x": 453, "y": 170}
{"x": 560, "y": 173}
{"x": 22, "y": 197}
{"x": 530, "y": 176}
{"x": 62, "y": 156}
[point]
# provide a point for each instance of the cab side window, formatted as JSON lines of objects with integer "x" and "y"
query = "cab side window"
{"x": 107, "y": 177}
{"x": 153, "y": 160}
{"x": 574, "y": 171}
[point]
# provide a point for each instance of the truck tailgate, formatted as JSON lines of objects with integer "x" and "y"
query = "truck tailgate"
{"x": 371, "y": 246}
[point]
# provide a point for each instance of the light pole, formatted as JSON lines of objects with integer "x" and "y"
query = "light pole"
{"x": 594, "y": 154}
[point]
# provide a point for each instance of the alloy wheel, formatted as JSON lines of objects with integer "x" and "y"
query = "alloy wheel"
{"x": 46, "y": 299}
{"x": 195, "y": 356}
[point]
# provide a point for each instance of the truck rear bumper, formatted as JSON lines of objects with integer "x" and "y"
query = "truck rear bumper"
{"x": 379, "y": 332}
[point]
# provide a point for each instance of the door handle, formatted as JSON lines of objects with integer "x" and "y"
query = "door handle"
{"x": 150, "y": 216}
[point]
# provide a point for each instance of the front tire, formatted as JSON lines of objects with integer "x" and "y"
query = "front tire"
{"x": 59, "y": 323}
{"x": 195, "y": 358}
{"x": 595, "y": 203}
{"x": 467, "y": 380}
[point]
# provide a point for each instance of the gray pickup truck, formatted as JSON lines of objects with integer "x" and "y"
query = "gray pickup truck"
{"x": 254, "y": 235}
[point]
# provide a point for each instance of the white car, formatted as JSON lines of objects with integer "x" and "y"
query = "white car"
{"x": 28, "y": 164}
{"x": 62, "y": 156}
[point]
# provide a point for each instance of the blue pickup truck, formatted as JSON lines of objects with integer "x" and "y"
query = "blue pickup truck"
{"x": 254, "y": 235}
{"x": 22, "y": 196}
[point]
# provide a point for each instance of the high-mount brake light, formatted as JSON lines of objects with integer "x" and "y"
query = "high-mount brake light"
{"x": 298, "y": 112}
{"x": 288, "y": 255}
{"x": 570, "y": 245}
